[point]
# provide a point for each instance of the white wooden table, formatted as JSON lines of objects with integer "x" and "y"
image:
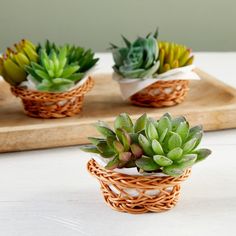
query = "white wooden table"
{"x": 50, "y": 193}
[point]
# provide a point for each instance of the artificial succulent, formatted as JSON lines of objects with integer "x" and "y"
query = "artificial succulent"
{"x": 60, "y": 68}
{"x": 138, "y": 59}
{"x": 14, "y": 61}
{"x": 167, "y": 145}
{"x": 172, "y": 55}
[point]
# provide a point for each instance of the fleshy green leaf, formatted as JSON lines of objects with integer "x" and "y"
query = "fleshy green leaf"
{"x": 123, "y": 121}
{"x": 146, "y": 163}
{"x": 90, "y": 148}
{"x": 157, "y": 148}
{"x": 173, "y": 170}
{"x": 146, "y": 145}
{"x": 202, "y": 154}
{"x": 183, "y": 130}
{"x": 163, "y": 124}
{"x": 140, "y": 123}
{"x": 151, "y": 131}
{"x": 114, "y": 163}
{"x": 174, "y": 141}
{"x": 105, "y": 131}
{"x": 175, "y": 153}
{"x": 189, "y": 146}
{"x": 187, "y": 160}
{"x": 162, "y": 160}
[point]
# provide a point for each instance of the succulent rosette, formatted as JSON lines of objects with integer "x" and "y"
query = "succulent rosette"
{"x": 138, "y": 59}
{"x": 168, "y": 145}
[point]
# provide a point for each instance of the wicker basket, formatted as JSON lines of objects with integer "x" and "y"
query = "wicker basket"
{"x": 162, "y": 94}
{"x": 152, "y": 193}
{"x": 53, "y": 105}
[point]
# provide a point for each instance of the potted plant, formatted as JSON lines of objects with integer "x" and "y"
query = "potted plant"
{"x": 51, "y": 80}
{"x": 153, "y": 73}
{"x": 140, "y": 166}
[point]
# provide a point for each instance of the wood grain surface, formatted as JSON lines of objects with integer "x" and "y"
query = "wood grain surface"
{"x": 209, "y": 102}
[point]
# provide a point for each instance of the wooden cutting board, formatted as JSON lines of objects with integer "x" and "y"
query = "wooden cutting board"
{"x": 209, "y": 102}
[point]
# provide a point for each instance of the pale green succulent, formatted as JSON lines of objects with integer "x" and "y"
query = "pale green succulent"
{"x": 167, "y": 145}
{"x": 59, "y": 68}
{"x": 138, "y": 59}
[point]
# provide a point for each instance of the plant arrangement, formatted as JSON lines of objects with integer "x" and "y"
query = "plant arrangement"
{"x": 47, "y": 77}
{"x": 145, "y": 63}
{"x": 162, "y": 152}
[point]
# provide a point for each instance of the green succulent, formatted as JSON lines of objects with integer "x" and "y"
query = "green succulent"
{"x": 84, "y": 58}
{"x": 138, "y": 59}
{"x": 167, "y": 145}
{"x": 59, "y": 68}
{"x": 172, "y": 55}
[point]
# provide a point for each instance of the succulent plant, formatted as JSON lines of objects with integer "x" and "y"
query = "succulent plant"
{"x": 14, "y": 61}
{"x": 84, "y": 58}
{"x": 138, "y": 59}
{"x": 172, "y": 55}
{"x": 167, "y": 145}
{"x": 59, "y": 68}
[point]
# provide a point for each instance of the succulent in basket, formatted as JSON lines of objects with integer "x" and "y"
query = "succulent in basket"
{"x": 138, "y": 59}
{"x": 60, "y": 68}
{"x": 14, "y": 60}
{"x": 168, "y": 145}
{"x": 172, "y": 55}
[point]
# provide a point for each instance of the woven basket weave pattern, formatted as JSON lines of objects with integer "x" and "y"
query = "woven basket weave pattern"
{"x": 162, "y": 94}
{"x": 53, "y": 105}
{"x": 115, "y": 188}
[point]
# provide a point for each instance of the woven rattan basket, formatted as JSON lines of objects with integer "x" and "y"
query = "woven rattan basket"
{"x": 162, "y": 94}
{"x": 53, "y": 105}
{"x": 137, "y": 194}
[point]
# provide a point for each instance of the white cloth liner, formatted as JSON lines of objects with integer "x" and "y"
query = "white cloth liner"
{"x": 129, "y": 87}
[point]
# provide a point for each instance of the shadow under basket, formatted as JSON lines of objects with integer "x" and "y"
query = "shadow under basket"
{"x": 137, "y": 194}
{"x": 53, "y": 105}
{"x": 162, "y": 94}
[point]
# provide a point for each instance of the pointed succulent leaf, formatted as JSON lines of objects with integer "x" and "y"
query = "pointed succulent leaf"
{"x": 118, "y": 146}
{"x": 194, "y": 130}
{"x": 125, "y": 156}
{"x": 176, "y": 122}
{"x": 157, "y": 148}
{"x": 198, "y": 136}
{"x": 124, "y": 138}
{"x": 110, "y": 140}
{"x": 105, "y": 150}
{"x": 189, "y": 146}
{"x": 151, "y": 131}
{"x": 146, "y": 145}
{"x": 173, "y": 170}
{"x": 105, "y": 131}
{"x": 183, "y": 130}
{"x": 147, "y": 164}
{"x": 187, "y": 160}
{"x": 202, "y": 154}
{"x": 140, "y": 123}
{"x": 162, "y": 160}
{"x": 163, "y": 135}
{"x": 175, "y": 153}
{"x": 114, "y": 163}
{"x": 127, "y": 42}
{"x": 136, "y": 150}
{"x": 163, "y": 124}
{"x": 90, "y": 148}
{"x": 174, "y": 141}
{"x": 123, "y": 121}
{"x": 95, "y": 141}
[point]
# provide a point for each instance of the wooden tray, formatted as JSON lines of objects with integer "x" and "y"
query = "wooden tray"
{"x": 209, "y": 102}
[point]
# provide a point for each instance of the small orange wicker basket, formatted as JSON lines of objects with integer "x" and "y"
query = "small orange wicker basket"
{"x": 53, "y": 105}
{"x": 162, "y": 94}
{"x": 137, "y": 194}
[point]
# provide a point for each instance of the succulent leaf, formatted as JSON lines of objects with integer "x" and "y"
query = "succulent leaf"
{"x": 140, "y": 124}
{"x": 162, "y": 160}
{"x": 147, "y": 164}
{"x": 174, "y": 141}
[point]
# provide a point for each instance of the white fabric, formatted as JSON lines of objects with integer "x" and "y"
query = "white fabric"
{"x": 129, "y": 87}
